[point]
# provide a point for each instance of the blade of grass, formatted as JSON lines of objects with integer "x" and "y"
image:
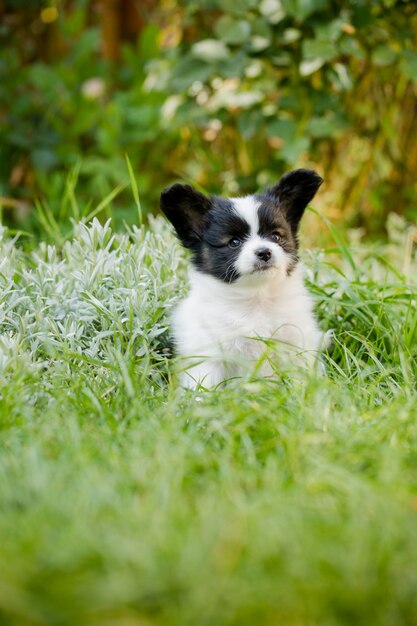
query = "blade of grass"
{"x": 135, "y": 190}
{"x": 341, "y": 243}
{"x": 69, "y": 196}
{"x": 105, "y": 202}
{"x": 46, "y": 218}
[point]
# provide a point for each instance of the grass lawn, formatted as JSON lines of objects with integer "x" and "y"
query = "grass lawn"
{"x": 124, "y": 503}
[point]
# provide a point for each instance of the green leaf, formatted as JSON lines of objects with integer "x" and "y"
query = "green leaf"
{"x": 272, "y": 10}
{"x": 249, "y": 123}
{"x": 210, "y": 50}
{"x": 344, "y": 79}
{"x": 409, "y": 64}
{"x": 234, "y": 66}
{"x": 309, "y": 67}
{"x": 329, "y": 31}
{"x": 316, "y": 49}
{"x": 237, "y": 6}
{"x": 290, "y": 35}
{"x": 188, "y": 70}
{"x": 383, "y": 55}
{"x": 285, "y": 129}
{"x": 326, "y": 126}
{"x": 258, "y": 44}
{"x": 232, "y": 31}
{"x": 261, "y": 34}
{"x": 261, "y": 28}
{"x": 315, "y": 55}
{"x": 351, "y": 47}
{"x": 300, "y": 9}
{"x": 292, "y": 150}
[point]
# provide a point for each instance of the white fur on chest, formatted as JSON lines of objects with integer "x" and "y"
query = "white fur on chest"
{"x": 219, "y": 322}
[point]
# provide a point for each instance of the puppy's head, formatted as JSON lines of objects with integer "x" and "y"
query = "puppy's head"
{"x": 231, "y": 238}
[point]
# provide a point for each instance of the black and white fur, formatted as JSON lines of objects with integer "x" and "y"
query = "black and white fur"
{"x": 247, "y": 282}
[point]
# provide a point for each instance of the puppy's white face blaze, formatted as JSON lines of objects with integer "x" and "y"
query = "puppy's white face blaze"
{"x": 258, "y": 254}
{"x": 247, "y": 208}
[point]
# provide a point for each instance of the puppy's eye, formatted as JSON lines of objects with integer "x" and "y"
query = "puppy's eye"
{"x": 277, "y": 236}
{"x": 234, "y": 243}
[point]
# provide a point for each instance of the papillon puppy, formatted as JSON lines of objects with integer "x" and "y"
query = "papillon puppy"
{"x": 247, "y": 287}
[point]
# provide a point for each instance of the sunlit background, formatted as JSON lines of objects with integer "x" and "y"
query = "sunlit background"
{"x": 224, "y": 94}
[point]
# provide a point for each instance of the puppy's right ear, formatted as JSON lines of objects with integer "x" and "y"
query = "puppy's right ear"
{"x": 186, "y": 208}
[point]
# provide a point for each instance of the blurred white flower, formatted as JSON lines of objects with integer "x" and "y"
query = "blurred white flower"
{"x": 254, "y": 69}
{"x": 93, "y": 88}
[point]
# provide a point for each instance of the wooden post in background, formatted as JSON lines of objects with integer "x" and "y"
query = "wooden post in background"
{"x": 132, "y": 18}
{"x": 121, "y": 20}
{"x": 110, "y": 18}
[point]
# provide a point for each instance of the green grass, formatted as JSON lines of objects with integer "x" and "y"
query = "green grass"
{"x": 124, "y": 503}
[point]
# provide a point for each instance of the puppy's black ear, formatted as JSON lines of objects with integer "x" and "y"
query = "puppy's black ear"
{"x": 293, "y": 193}
{"x": 186, "y": 208}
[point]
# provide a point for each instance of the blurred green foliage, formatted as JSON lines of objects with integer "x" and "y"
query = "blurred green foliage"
{"x": 226, "y": 94}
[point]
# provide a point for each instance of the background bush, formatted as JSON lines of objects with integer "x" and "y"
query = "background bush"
{"x": 225, "y": 94}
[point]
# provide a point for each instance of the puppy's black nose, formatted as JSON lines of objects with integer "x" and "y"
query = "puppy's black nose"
{"x": 263, "y": 253}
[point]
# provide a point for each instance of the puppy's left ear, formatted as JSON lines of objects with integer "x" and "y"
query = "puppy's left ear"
{"x": 293, "y": 193}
